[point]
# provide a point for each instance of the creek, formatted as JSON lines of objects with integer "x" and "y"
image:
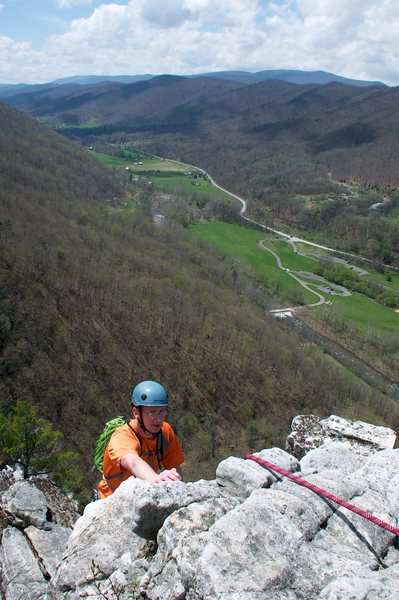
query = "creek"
{"x": 346, "y": 358}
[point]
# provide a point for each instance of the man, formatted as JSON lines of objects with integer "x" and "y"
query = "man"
{"x": 143, "y": 446}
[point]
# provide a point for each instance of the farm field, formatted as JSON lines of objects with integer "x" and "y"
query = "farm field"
{"x": 165, "y": 175}
{"x": 366, "y": 314}
{"x": 243, "y": 245}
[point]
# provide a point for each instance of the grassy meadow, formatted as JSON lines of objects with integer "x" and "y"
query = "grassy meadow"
{"x": 165, "y": 175}
{"x": 241, "y": 243}
{"x": 355, "y": 313}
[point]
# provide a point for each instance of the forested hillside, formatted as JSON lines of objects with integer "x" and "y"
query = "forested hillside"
{"x": 94, "y": 297}
{"x": 270, "y": 141}
{"x": 280, "y": 135}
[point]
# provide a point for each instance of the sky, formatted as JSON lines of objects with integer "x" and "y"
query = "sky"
{"x": 44, "y": 40}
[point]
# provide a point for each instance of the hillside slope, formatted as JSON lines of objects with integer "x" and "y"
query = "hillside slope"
{"x": 95, "y": 298}
{"x": 301, "y": 133}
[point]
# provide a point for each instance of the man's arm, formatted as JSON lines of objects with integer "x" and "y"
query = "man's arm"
{"x": 139, "y": 468}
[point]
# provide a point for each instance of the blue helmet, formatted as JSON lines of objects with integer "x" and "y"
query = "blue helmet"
{"x": 149, "y": 393}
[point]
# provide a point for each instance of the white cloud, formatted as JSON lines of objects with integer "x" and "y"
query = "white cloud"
{"x": 166, "y": 14}
{"x": 354, "y": 39}
{"x": 70, "y": 3}
{"x": 15, "y": 55}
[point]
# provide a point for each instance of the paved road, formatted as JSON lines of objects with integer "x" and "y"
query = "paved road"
{"x": 295, "y": 276}
{"x": 281, "y": 233}
{"x": 343, "y": 356}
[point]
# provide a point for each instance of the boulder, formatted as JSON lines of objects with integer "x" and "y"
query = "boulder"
{"x": 156, "y": 502}
{"x": 310, "y": 431}
{"x": 25, "y": 505}
{"x": 102, "y": 543}
{"x": 240, "y": 477}
{"x": 22, "y": 577}
{"x": 33, "y": 538}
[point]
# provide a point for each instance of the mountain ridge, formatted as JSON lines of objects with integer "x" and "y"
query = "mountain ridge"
{"x": 246, "y": 77}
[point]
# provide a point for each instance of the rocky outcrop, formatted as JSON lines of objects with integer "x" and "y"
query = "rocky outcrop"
{"x": 36, "y": 520}
{"x": 249, "y": 534}
{"x": 309, "y": 432}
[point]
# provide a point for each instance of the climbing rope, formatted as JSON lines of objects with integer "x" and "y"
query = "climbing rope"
{"x": 359, "y": 511}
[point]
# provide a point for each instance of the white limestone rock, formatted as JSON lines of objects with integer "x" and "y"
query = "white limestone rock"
{"x": 179, "y": 543}
{"x": 310, "y": 431}
{"x": 240, "y": 477}
{"x": 26, "y": 505}
{"x": 99, "y": 543}
{"x": 22, "y": 578}
{"x": 248, "y": 535}
{"x": 280, "y": 458}
{"x": 359, "y": 432}
{"x": 361, "y": 588}
{"x": 154, "y": 504}
{"x": 49, "y": 546}
{"x": 329, "y": 456}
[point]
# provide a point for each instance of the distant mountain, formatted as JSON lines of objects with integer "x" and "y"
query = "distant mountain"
{"x": 244, "y": 77}
{"x": 94, "y": 79}
{"x": 346, "y": 130}
{"x": 19, "y": 88}
{"x": 300, "y": 77}
{"x": 113, "y": 102}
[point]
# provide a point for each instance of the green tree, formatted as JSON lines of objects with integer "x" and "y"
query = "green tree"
{"x": 33, "y": 443}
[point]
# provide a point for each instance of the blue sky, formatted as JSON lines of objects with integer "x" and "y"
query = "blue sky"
{"x": 42, "y": 40}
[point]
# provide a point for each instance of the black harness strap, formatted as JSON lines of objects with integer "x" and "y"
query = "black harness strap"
{"x": 159, "y": 450}
{"x": 137, "y": 436}
{"x": 159, "y": 447}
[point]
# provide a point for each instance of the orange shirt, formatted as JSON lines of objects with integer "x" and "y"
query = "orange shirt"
{"x": 123, "y": 441}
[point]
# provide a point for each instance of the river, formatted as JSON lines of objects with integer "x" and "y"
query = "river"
{"x": 354, "y": 364}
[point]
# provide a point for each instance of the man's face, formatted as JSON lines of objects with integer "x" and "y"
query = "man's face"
{"x": 153, "y": 417}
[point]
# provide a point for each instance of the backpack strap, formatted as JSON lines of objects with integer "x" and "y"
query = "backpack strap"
{"x": 160, "y": 450}
{"x": 159, "y": 445}
{"x": 137, "y": 436}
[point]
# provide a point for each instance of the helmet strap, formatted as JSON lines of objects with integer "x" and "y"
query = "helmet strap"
{"x": 141, "y": 422}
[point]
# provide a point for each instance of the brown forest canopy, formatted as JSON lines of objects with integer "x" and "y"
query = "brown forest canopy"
{"x": 95, "y": 298}
{"x": 267, "y": 141}
{"x": 279, "y": 134}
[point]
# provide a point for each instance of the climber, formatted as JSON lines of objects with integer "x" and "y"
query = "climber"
{"x": 143, "y": 446}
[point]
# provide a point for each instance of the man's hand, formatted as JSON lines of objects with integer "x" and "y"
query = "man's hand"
{"x": 167, "y": 475}
{"x": 135, "y": 465}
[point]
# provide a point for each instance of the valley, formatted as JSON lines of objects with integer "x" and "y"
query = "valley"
{"x": 95, "y": 296}
{"x": 351, "y": 303}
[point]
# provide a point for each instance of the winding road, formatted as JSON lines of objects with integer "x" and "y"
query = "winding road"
{"x": 343, "y": 356}
{"x": 327, "y": 287}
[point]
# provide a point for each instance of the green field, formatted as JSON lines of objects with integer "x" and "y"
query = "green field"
{"x": 389, "y": 279}
{"x": 165, "y": 175}
{"x": 243, "y": 244}
{"x": 366, "y": 314}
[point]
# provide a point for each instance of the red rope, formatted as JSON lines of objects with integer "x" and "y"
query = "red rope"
{"x": 321, "y": 492}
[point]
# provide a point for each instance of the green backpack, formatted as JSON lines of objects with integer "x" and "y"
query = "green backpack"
{"x": 105, "y": 436}
{"x": 103, "y": 440}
